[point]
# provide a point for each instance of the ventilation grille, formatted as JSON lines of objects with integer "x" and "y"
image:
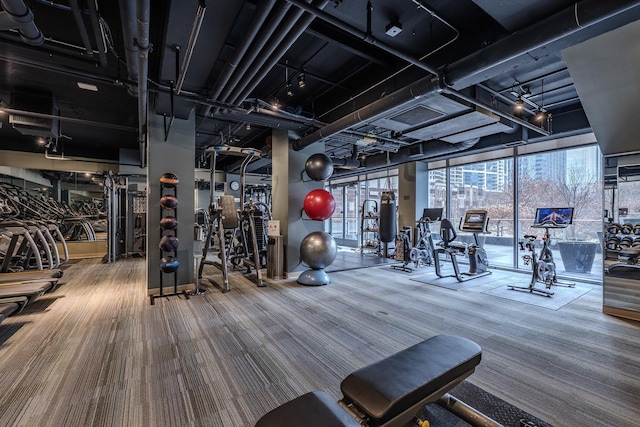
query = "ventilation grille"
{"x": 416, "y": 116}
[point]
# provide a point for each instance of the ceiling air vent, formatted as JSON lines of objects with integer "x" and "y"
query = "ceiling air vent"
{"x": 33, "y": 124}
{"x": 416, "y": 115}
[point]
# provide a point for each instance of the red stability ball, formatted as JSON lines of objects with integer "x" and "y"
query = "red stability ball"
{"x": 319, "y": 204}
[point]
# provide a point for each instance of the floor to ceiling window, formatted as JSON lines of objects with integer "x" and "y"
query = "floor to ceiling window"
{"x": 487, "y": 186}
{"x": 568, "y": 177}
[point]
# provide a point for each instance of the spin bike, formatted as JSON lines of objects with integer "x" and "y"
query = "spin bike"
{"x": 422, "y": 253}
{"x": 542, "y": 264}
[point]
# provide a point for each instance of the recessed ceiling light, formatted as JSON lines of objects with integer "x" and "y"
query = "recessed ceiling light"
{"x": 87, "y": 86}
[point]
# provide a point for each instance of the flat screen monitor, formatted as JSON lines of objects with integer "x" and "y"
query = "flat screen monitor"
{"x": 554, "y": 216}
{"x": 432, "y": 214}
{"x": 475, "y": 221}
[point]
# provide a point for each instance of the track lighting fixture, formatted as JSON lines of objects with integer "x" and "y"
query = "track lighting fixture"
{"x": 301, "y": 82}
{"x": 286, "y": 79}
{"x": 248, "y": 126}
{"x": 519, "y": 105}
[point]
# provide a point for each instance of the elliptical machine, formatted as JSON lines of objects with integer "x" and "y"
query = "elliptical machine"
{"x": 543, "y": 266}
{"x": 422, "y": 253}
{"x": 475, "y": 221}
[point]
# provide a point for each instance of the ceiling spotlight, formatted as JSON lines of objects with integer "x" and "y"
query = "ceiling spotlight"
{"x": 541, "y": 115}
{"x": 275, "y": 104}
{"x": 519, "y": 105}
{"x": 248, "y": 126}
{"x": 301, "y": 82}
{"x": 289, "y": 90}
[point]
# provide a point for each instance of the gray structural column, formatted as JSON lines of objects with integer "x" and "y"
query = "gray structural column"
{"x": 290, "y": 186}
{"x": 175, "y": 155}
{"x": 413, "y": 193}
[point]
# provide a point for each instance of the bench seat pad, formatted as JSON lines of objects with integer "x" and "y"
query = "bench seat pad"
{"x": 314, "y": 409}
{"x": 391, "y": 386}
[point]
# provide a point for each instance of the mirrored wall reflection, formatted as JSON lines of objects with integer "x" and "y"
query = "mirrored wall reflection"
{"x": 621, "y": 236}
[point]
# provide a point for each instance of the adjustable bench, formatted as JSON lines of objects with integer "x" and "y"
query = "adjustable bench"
{"x": 387, "y": 393}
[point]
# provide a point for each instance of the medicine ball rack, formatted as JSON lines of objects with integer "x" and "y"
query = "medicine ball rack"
{"x": 168, "y": 189}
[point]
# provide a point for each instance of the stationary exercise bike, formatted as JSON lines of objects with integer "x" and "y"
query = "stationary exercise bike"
{"x": 422, "y": 253}
{"x": 475, "y": 221}
{"x": 542, "y": 264}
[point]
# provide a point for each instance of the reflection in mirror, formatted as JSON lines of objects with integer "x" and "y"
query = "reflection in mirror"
{"x": 621, "y": 280}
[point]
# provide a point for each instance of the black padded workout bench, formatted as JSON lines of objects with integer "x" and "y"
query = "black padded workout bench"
{"x": 390, "y": 392}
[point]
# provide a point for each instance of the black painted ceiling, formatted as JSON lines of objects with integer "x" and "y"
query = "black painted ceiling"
{"x": 386, "y": 79}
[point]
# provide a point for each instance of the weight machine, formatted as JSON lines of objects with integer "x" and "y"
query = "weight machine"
{"x": 474, "y": 221}
{"x": 422, "y": 253}
{"x": 542, "y": 265}
{"x": 232, "y": 234}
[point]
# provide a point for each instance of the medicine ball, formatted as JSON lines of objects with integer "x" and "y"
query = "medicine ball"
{"x": 169, "y": 264}
{"x": 168, "y": 202}
{"x": 169, "y": 179}
{"x": 168, "y": 223}
{"x": 169, "y": 243}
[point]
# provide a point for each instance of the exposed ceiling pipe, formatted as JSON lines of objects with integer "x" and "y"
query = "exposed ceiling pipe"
{"x": 507, "y": 116}
{"x": 288, "y": 24}
{"x": 193, "y": 37}
{"x": 552, "y": 28}
{"x": 17, "y": 16}
{"x": 291, "y": 37}
{"x": 257, "y": 20}
{"x": 431, "y": 149}
{"x": 414, "y": 91}
{"x": 84, "y": 35}
{"x": 544, "y": 32}
{"x": 367, "y": 37}
{"x": 142, "y": 17}
{"x": 127, "y": 17}
{"x": 265, "y": 34}
{"x": 97, "y": 33}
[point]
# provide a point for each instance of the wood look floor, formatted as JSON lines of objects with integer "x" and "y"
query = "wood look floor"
{"x": 95, "y": 352}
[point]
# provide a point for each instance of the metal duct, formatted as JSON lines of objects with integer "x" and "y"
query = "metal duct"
{"x": 287, "y": 25}
{"x": 549, "y": 30}
{"x": 265, "y": 34}
{"x": 17, "y": 16}
{"x": 257, "y": 20}
{"x": 291, "y": 36}
{"x": 429, "y": 149}
{"x": 367, "y": 37}
{"x": 128, "y": 19}
{"x": 77, "y": 16}
{"x": 142, "y": 17}
{"x": 409, "y": 93}
{"x": 536, "y": 35}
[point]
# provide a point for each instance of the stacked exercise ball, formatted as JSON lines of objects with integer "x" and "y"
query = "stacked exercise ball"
{"x": 318, "y": 249}
{"x": 169, "y": 242}
{"x": 319, "y": 205}
{"x": 319, "y": 167}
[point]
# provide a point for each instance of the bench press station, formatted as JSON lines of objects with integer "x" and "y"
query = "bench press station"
{"x": 392, "y": 391}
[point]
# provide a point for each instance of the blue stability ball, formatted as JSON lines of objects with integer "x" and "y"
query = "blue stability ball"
{"x": 319, "y": 167}
{"x": 169, "y": 264}
{"x": 318, "y": 249}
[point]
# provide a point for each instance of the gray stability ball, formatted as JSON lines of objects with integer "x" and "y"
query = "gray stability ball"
{"x": 318, "y": 249}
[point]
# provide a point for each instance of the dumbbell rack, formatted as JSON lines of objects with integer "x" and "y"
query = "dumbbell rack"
{"x": 619, "y": 237}
{"x": 168, "y": 191}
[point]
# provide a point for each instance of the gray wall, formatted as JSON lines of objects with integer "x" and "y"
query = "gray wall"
{"x": 175, "y": 155}
{"x": 290, "y": 186}
{"x": 412, "y": 193}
